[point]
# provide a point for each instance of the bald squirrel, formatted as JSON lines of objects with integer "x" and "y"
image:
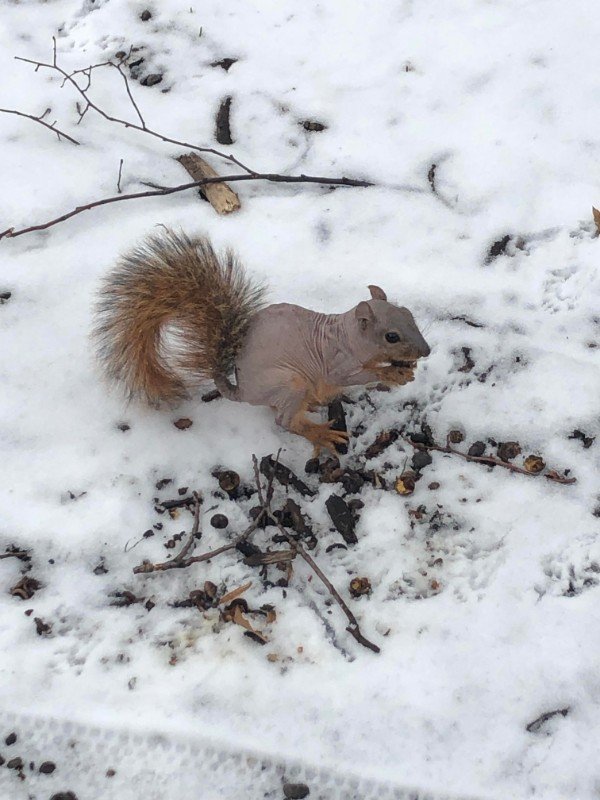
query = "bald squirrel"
{"x": 174, "y": 313}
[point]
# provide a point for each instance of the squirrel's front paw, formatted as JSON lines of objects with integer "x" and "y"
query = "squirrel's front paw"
{"x": 323, "y": 438}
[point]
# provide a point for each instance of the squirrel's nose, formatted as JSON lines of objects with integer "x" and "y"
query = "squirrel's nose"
{"x": 424, "y": 349}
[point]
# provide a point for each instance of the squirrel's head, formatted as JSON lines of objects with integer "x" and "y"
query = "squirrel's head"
{"x": 388, "y": 331}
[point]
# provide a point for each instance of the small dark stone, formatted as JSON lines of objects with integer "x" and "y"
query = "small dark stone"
{"x": 498, "y": 248}
{"x": 247, "y": 549}
{"x": 2, "y": 761}
{"x": 219, "y": 521}
{"x": 434, "y": 485}
{"x": 145, "y": 16}
{"x": 208, "y": 397}
{"x": 64, "y": 796}
{"x": 183, "y": 423}
{"x": 47, "y": 768}
{"x": 15, "y": 763}
{"x": 312, "y": 466}
{"x": 313, "y": 126}
{"x": 225, "y": 63}
{"x": 182, "y": 490}
{"x": 456, "y": 437}
{"x": 477, "y": 449}
{"x": 147, "y": 534}
{"x": 149, "y": 605}
{"x": 421, "y": 459}
{"x": 41, "y": 627}
{"x": 152, "y": 79}
{"x": 355, "y": 504}
{"x": 110, "y": 773}
{"x": 10, "y": 739}
{"x": 5, "y": 296}
{"x": 352, "y": 481}
{"x": 295, "y": 791}
{"x": 120, "y": 55}
{"x": 163, "y": 482}
{"x": 123, "y": 426}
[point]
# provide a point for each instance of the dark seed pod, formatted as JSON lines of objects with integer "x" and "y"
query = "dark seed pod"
{"x": 456, "y": 437}
{"x": 405, "y": 483}
{"x": 534, "y": 464}
{"x": 229, "y": 481}
{"x": 476, "y": 450}
{"x": 295, "y": 791}
{"x": 219, "y": 521}
{"x": 508, "y": 450}
{"x": 360, "y": 586}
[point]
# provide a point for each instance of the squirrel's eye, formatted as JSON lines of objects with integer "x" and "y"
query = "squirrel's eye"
{"x": 392, "y": 337}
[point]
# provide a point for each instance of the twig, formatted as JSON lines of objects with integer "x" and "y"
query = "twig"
{"x": 146, "y": 566}
{"x": 40, "y": 119}
{"x": 353, "y": 628}
{"x": 491, "y": 461}
{"x": 69, "y": 77}
{"x": 265, "y": 176}
{"x": 15, "y": 554}
{"x": 195, "y": 527}
{"x": 119, "y": 178}
{"x": 180, "y": 562}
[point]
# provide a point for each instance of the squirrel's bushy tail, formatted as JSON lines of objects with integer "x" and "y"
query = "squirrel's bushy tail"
{"x": 171, "y": 313}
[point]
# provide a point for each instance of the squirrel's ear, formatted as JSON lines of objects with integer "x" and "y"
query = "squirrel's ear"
{"x": 364, "y": 314}
{"x": 377, "y": 292}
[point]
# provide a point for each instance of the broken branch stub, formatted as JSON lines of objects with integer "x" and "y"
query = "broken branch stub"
{"x": 221, "y": 196}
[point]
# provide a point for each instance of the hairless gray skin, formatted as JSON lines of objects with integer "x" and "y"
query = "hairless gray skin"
{"x": 293, "y": 359}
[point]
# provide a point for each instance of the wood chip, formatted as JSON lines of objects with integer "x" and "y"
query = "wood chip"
{"x": 221, "y": 197}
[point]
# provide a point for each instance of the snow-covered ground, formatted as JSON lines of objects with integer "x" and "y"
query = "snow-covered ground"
{"x": 486, "y": 612}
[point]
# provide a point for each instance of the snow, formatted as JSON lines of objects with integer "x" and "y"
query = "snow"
{"x": 501, "y": 628}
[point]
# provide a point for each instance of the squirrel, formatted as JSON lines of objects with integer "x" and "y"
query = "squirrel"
{"x": 173, "y": 313}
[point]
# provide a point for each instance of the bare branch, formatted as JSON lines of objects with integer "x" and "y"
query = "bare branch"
{"x": 40, "y": 119}
{"x": 69, "y": 77}
{"x": 270, "y": 177}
